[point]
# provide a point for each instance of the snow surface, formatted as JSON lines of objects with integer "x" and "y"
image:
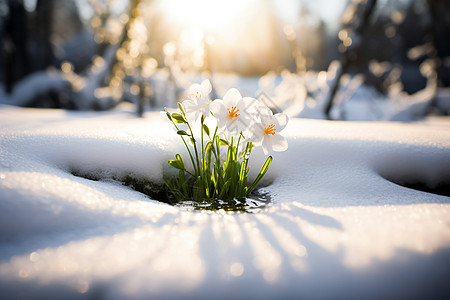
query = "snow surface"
{"x": 336, "y": 228}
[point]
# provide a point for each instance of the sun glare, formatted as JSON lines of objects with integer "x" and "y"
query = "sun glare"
{"x": 211, "y": 16}
{"x": 234, "y": 35}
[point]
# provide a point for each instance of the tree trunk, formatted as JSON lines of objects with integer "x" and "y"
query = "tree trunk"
{"x": 16, "y": 36}
{"x": 44, "y": 16}
{"x": 359, "y": 25}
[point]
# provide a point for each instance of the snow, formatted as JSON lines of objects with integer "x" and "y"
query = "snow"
{"x": 338, "y": 227}
{"x": 37, "y": 84}
{"x": 86, "y": 92}
{"x": 305, "y": 95}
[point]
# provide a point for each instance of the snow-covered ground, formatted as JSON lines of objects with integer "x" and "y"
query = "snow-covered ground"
{"x": 337, "y": 228}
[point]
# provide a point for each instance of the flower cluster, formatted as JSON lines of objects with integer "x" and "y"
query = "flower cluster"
{"x": 241, "y": 124}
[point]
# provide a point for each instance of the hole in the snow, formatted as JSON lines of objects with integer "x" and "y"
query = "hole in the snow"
{"x": 441, "y": 188}
{"x": 151, "y": 189}
{"x": 426, "y": 174}
{"x": 255, "y": 202}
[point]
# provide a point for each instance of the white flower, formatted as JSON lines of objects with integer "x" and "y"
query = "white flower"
{"x": 198, "y": 102}
{"x": 266, "y": 133}
{"x": 234, "y": 112}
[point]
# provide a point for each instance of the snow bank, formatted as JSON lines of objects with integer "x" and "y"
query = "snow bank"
{"x": 305, "y": 95}
{"x": 338, "y": 226}
{"x": 38, "y": 84}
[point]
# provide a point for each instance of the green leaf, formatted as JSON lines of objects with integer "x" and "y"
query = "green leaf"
{"x": 242, "y": 178}
{"x": 176, "y": 164}
{"x": 183, "y": 183}
{"x": 167, "y": 114}
{"x": 248, "y": 150}
{"x": 209, "y": 147}
{"x": 197, "y": 189}
{"x": 217, "y": 152}
{"x": 206, "y": 129}
{"x": 223, "y": 142}
{"x": 180, "y": 107}
{"x": 263, "y": 171}
{"x": 266, "y": 166}
{"x": 182, "y": 132}
{"x": 206, "y": 161}
{"x": 178, "y": 156}
{"x": 178, "y": 118}
{"x": 193, "y": 140}
{"x": 225, "y": 189}
{"x": 174, "y": 190}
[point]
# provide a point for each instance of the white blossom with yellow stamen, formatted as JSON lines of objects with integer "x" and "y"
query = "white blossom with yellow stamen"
{"x": 234, "y": 113}
{"x": 198, "y": 100}
{"x": 266, "y": 133}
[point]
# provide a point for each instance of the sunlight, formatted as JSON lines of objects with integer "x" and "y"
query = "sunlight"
{"x": 232, "y": 36}
{"x": 211, "y": 16}
{"x": 266, "y": 258}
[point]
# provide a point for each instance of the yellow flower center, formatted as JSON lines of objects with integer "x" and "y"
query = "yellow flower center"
{"x": 233, "y": 113}
{"x": 270, "y": 129}
{"x": 195, "y": 95}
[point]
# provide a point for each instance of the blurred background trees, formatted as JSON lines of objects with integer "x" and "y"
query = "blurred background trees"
{"x": 95, "y": 54}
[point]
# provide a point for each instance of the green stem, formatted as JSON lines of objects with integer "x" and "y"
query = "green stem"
{"x": 202, "y": 119}
{"x": 214, "y": 141}
{"x": 237, "y": 147}
{"x": 198, "y": 171}
{"x": 189, "y": 173}
{"x": 196, "y": 152}
{"x": 185, "y": 144}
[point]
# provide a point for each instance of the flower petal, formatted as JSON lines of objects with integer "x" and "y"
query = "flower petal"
{"x": 279, "y": 143}
{"x": 204, "y": 106}
{"x": 267, "y": 145}
{"x": 206, "y": 88}
{"x": 189, "y": 106}
{"x": 255, "y": 133}
{"x": 218, "y": 109}
{"x": 281, "y": 120}
{"x": 231, "y": 97}
{"x": 219, "y": 112}
{"x": 266, "y": 115}
{"x": 194, "y": 88}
